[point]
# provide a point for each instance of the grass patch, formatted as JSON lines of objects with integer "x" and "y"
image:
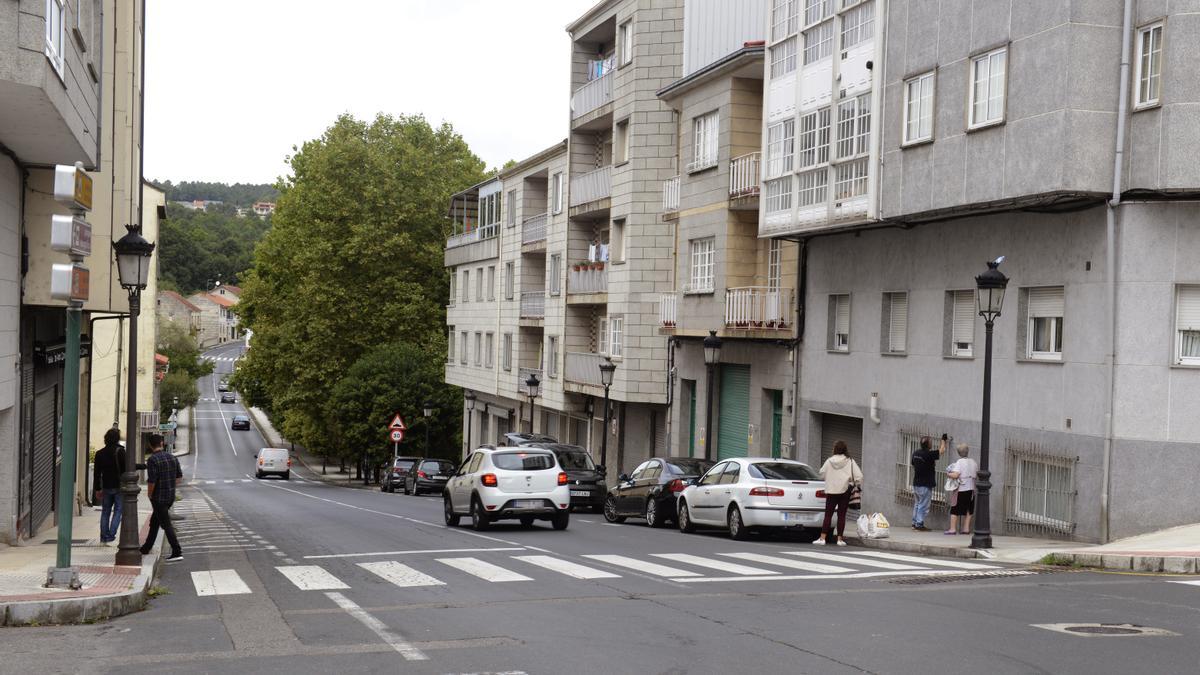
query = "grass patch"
{"x": 1057, "y": 560}
{"x": 156, "y": 591}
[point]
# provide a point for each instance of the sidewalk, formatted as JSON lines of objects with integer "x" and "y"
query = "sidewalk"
{"x": 1004, "y": 548}
{"x": 332, "y": 473}
{"x": 108, "y": 590}
{"x": 183, "y": 433}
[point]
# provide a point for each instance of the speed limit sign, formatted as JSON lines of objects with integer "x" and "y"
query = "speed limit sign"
{"x": 397, "y": 435}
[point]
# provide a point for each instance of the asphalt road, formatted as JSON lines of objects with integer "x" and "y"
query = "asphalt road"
{"x": 303, "y": 577}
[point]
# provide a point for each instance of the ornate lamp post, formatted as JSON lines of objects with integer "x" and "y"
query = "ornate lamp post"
{"x": 606, "y": 378}
{"x": 989, "y": 299}
{"x": 428, "y": 412}
{"x": 469, "y": 397}
{"x": 712, "y": 356}
{"x": 133, "y": 266}
{"x": 532, "y": 385}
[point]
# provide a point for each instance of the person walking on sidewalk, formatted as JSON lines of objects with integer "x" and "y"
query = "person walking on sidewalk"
{"x": 106, "y": 481}
{"x": 841, "y": 474}
{"x": 924, "y": 465}
{"x": 162, "y": 473}
{"x": 963, "y": 472}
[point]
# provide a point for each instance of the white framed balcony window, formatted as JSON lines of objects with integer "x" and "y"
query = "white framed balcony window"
{"x": 511, "y": 198}
{"x": 854, "y": 126}
{"x": 616, "y": 336}
{"x": 552, "y": 356}
{"x": 918, "y": 108}
{"x": 895, "y": 338}
{"x": 783, "y": 57}
{"x": 785, "y": 19}
{"x": 814, "y": 138}
{"x": 453, "y": 287}
{"x": 1044, "y": 307}
{"x": 813, "y": 187}
{"x": 625, "y": 43}
{"x": 775, "y": 265}
{"x": 556, "y": 192}
{"x": 779, "y": 195}
{"x": 703, "y": 252}
{"x": 56, "y": 14}
{"x": 850, "y": 179}
{"x": 817, "y": 10}
{"x": 818, "y": 42}
{"x": 554, "y": 280}
{"x": 858, "y": 24}
{"x": 1148, "y": 66}
{"x": 962, "y": 323}
{"x": 838, "y": 338}
{"x": 705, "y": 144}
{"x": 987, "y": 90}
{"x": 1187, "y": 326}
{"x": 781, "y": 147}
{"x": 602, "y": 337}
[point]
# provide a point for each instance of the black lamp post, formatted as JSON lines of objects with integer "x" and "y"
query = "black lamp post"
{"x": 469, "y": 396}
{"x": 712, "y": 356}
{"x": 989, "y": 299}
{"x": 532, "y": 385}
{"x": 606, "y": 378}
{"x": 133, "y": 267}
{"x": 428, "y": 411}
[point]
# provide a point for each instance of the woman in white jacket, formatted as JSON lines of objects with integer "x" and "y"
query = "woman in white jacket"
{"x": 841, "y": 474}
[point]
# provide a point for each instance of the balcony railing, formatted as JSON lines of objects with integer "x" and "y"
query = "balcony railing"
{"x": 533, "y": 304}
{"x": 589, "y": 280}
{"x": 592, "y": 95}
{"x": 668, "y": 310}
{"x": 523, "y": 375}
{"x": 583, "y": 368}
{"x": 477, "y": 234}
{"x": 534, "y": 228}
{"x": 758, "y": 307}
{"x": 743, "y": 176}
{"x": 591, "y": 186}
{"x": 671, "y": 195}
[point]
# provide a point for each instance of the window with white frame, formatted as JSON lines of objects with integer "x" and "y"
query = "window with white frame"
{"x": 858, "y": 24}
{"x": 918, "y": 108}
{"x": 509, "y": 280}
{"x": 705, "y": 130}
{"x": 507, "y": 353}
{"x": 1045, "y": 324}
{"x": 552, "y": 356}
{"x": 781, "y": 147}
{"x": 854, "y": 126}
{"x": 625, "y": 42}
{"x": 775, "y": 265}
{"x": 814, "y": 138}
{"x": 962, "y": 323}
{"x": 895, "y": 306}
{"x": 556, "y": 192}
{"x": 466, "y": 285}
{"x": 512, "y": 208}
{"x": 779, "y": 195}
{"x": 450, "y": 345}
{"x": 554, "y": 282}
{"x": 463, "y": 347}
{"x": 1045, "y": 491}
{"x": 783, "y": 57}
{"x": 489, "y": 215}
{"x": 1148, "y": 74}
{"x": 453, "y": 286}
{"x": 56, "y": 13}
{"x": 813, "y": 187}
{"x": 479, "y": 296}
{"x": 1187, "y": 325}
{"x": 850, "y": 179}
{"x": 785, "y": 19}
{"x": 616, "y": 338}
{"x": 602, "y": 336}
{"x": 616, "y": 241}
{"x": 839, "y": 323}
{"x": 621, "y": 142}
{"x": 703, "y": 251}
{"x": 988, "y": 82}
{"x": 818, "y": 42}
{"x": 491, "y": 282}
{"x": 817, "y": 10}
{"x": 489, "y": 350}
{"x": 479, "y": 348}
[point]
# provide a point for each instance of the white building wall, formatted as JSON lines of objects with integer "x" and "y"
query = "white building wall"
{"x": 10, "y": 307}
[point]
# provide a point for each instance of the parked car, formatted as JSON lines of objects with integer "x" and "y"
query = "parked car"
{"x": 394, "y": 479}
{"x": 518, "y": 438}
{"x": 228, "y": 397}
{"x": 585, "y": 477}
{"x": 240, "y": 422}
{"x": 430, "y": 475}
{"x": 651, "y": 490}
{"x": 754, "y": 492}
{"x": 273, "y": 461}
{"x": 505, "y": 483}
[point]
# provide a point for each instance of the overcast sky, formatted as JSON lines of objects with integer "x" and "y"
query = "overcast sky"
{"x": 232, "y": 85}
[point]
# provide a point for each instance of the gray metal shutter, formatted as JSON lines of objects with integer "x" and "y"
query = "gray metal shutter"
{"x": 44, "y": 416}
{"x": 660, "y": 433}
{"x": 733, "y": 426}
{"x": 840, "y": 428}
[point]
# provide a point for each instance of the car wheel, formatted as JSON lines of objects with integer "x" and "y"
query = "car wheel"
{"x": 287, "y": 475}
{"x": 451, "y": 516}
{"x": 610, "y": 511}
{"x": 527, "y": 521}
{"x": 652, "y": 518}
{"x": 258, "y": 475}
{"x": 685, "y": 518}
{"x": 561, "y": 519}
{"x": 479, "y": 518}
{"x": 737, "y": 529}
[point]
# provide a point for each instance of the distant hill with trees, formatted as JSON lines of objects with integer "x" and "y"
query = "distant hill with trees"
{"x": 238, "y": 194}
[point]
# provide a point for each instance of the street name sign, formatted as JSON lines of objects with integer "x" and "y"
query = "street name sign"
{"x": 73, "y": 187}
{"x": 69, "y": 282}
{"x": 71, "y": 234}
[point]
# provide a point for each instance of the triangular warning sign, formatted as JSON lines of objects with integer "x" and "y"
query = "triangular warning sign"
{"x": 398, "y": 423}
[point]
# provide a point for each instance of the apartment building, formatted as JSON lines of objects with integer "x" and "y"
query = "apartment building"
{"x": 975, "y": 130}
{"x": 174, "y": 307}
{"x": 218, "y": 322}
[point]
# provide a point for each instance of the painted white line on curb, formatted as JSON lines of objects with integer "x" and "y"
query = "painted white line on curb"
{"x": 409, "y": 652}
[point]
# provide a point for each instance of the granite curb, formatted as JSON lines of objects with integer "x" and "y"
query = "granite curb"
{"x": 1132, "y": 562}
{"x": 887, "y": 544}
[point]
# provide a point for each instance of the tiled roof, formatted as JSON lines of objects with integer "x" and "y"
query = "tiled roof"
{"x": 180, "y": 299}
{"x": 221, "y": 300}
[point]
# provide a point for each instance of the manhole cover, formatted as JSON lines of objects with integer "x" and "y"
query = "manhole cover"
{"x": 941, "y": 578}
{"x": 1104, "y": 629}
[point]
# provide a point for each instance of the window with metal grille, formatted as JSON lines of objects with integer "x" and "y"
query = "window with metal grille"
{"x": 850, "y": 179}
{"x": 987, "y": 88}
{"x": 895, "y": 321}
{"x": 1039, "y": 489}
{"x": 854, "y": 126}
{"x": 702, "y": 264}
{"x": 785, "y": 18}
{"x": 1148, "y": 74}
{"x": 918, "y": 108}
{"x": 1044, "y": 308}
{"x": 818, "y": 42}
{"x": 779, "y": 195}
{"x": 783, "y": 57}
{"x": 813, "y": 186}
{"x": 814, "y": 138}
{"x": 839, "y": 323}
{"x": 962, "y": 323}
{"x": 705, "y": 130}
{"x": 781, "y": 147}
{"x": 1187, "y": 325}
{"x": 910, "y": 441}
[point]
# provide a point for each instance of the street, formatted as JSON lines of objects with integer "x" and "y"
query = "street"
{"x": 300, "y": 576}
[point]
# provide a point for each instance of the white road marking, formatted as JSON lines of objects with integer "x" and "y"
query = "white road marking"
{"x": 643, "y": 566}
{"x": 431, "y": 550}
{"x": 565, "y": 567}
{"x": 960, "y": 565}
{"x": 714, "y": 564}
{"x": 484, "y": 570}
{"x": 784, "y": 562}
{"x": 219, "y": 582}
{"x": 409, "y": 652}
{"x": 229, "y": 481}
{"x": 311, "y": 578}
{"x": 798, "y": 577}
{"x": 399, "y": 574}
{"x": 830, "y": 557}
{"x": 1195, "y": 582}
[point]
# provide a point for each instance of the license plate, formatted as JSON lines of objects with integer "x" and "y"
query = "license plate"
{"x": 527, "y": 504}
{"x": 580, "y": 493}
{"x": 789, "y": 517}
{"x": 440, "y": 477}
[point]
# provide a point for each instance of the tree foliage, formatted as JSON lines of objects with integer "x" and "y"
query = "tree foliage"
{"x": 198, "y": 247}
{"x": 353, "y": 261}
{"x": 238, "y": 194}
{"x": 184, "y": 366}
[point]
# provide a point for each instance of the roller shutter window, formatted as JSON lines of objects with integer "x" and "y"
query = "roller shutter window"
{"x": 962, "y": 330}
{"x": 841, "y": 428}
{"x": 839, "y": 339}
{"x": 45, "y": 415}
{"x": 1045, "y": 308}
{"x": 1187, "y": 325}
{"x": 897, "y": 323}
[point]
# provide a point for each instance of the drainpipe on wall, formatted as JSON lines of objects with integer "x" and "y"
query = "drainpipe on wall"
{"x": 801, "y": 292}
{"x": 1110, "y": 262}
{"x": 670, "y": 389}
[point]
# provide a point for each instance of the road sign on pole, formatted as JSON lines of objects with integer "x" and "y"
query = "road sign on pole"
{"x": 397, "y": 435}
{"x": 398, "y": 423}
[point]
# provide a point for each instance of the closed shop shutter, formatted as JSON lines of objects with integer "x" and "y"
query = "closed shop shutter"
{"x": 841, "y": 428}
{"x": 660, "y": 433}
{"x": 45, "y": 414}
{"x": 733, "y": 425}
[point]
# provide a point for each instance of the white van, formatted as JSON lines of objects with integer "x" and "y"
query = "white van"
{"x": 273, "y": 461}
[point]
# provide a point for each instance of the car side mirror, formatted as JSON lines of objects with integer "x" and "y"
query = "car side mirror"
{"x": 623, "y": 477}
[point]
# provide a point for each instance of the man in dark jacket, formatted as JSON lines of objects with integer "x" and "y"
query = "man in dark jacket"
{"x": 924, "y": 464}
{"x": 162, "y": 475}
{"x": 106, "y": 481}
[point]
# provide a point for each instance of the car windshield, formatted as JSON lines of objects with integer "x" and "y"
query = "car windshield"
{"x": 437, "y": 466}
{"x": 689, "y": 467}
{"x": 523, "y": 461}
{"x": 576, "y": 460}
{"x": 404, "y": 463}
{"x": 782, "y": 471}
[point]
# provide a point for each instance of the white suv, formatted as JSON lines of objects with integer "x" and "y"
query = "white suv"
{"x": 506, "y": 483}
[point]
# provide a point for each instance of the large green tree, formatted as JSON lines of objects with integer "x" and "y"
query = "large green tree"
{"x": 184, "y": 366}
{"x": 198, "y": 247}
{"x": 353, "y": 260}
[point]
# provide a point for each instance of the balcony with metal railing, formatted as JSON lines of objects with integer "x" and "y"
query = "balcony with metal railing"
{"x": 671, "y": 195}
{"x": 668, "y": 310}
{"x": 744, "y": 176}
{"x": 758, "y": 308}
{"x": 533, "y": 304}
{"x": 583, "y": 368}
{"x": 534, "y": 228}
{"x": 592, "y": 96}
{"x": 591, "y": 187}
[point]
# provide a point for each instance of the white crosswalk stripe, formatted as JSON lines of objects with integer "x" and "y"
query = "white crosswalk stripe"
{"x": 566, "y": 567}
{"x": 400, "y": 574}
{"x": 721, "y": 565}
{"x": 643, "y": 566}
{"x": 793, "y": 564}
{"x": 1193, "y": 582}
{"x": 484, "y": 570}
{"x": 957, "y": 564}
{"x": 311, "y": 578}
{"x": 219, "y": 582}
{"x": 830, "y": 557}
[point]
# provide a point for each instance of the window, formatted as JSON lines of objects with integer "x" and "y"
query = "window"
{"x": 450, "y": 345}
{"x": 781, "y": 147}
{"x": 895, "y": 336}
{"x": 818, "y": 42}
{"x": 854, "y": 126}
{"x": 814, "y": 138}
{"x": 704, "y": 141}
{"x": 489, "y": 215}
{"x": 783, "y": 57}
{"x": 453, "y": 287}
{"x": 850, "y": 179}
{"x": 552, "y": 356}
{"x": 491, "y": 282}
{"x": 615, "y": 335}
{"x": 839, "y": 323}
{"x": 1148, "y": 74}
{"x": 616, "y": 244}
{"x": 779, "y": 195}
{"x": 1045, "y": 325}
{"x": 489, "y": 350}
{"x": 509, "y": 280}
{"x": 785, "y": 18}
{"x": 478, "y": 348}
{"x": 702, "y": 265}
{"x": 987, "y": 88}
{"x": 817, "y": 10}
{"x": 85, "y": 20}
{"x": 858, "y": 25}
{"x": 813, "y": 186}
{"x": 775, "y": 265}
{"x": 55, "y": 19}
{"x": 621, "y": 142}
{"x": 463, "y": 346}
{"x": 1045, "y": 490}
{"x": 556, "y": 192}
{"x": 512, "y": 208}
{"x": 602, "y": 337}
{"x": 918, "y": 108}
{"x": 554, "y": 282}
{"x": 962, "y": 323}
{"x": 1187, "y": 325}
{"x": 625, "y": 41}
{"x": 479, "y": 284}
{"x": 466, "y": 285}
{"x": 506, "y": 358}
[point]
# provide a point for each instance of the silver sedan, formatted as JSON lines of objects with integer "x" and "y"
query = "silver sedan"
{"x": 751, "y": 493}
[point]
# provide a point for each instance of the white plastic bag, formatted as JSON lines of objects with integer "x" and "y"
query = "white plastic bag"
{"x": 873, "y": 526}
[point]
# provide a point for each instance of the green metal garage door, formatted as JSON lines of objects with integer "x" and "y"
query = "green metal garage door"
{"x": 733, "y": 425}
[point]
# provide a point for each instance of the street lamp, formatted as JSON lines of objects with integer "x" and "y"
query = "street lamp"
{"x": 712, "y": 356}
{"x": 531, "y": 388}
{"x": 606, "y": 378}
{"x": 989, "y": 299}
{"x": 133, "y": 267}
{"x": 469, "y": 396}
{"x": 428, "y": 411}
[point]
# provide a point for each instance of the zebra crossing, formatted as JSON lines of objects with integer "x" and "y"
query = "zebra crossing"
{"x": 683, "y": 568}
{"x": 220, "y": 358}
{"x": 203, "y": 527}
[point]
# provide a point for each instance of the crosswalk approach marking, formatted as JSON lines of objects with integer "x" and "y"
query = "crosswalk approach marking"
{"x": 484, "y": 570}
{"x": 721, "y": 565}
{"x": 643, "y": 566}
{"x": 566, "y": 567}
{"x": 219, "y": 582}
{"x": 958, "y": 564}
{"x": 784, "y": 562}
{"x": 311, "y": 578}
{"x": 1193, "y": 582}
{"x": 400, "y": 574}
{"x": 831, "y": 557}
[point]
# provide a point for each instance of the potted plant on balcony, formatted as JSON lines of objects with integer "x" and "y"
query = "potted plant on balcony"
{"x": 580, "y": 265}
{"x": 598, "y": 265}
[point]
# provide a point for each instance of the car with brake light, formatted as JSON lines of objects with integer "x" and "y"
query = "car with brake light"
{"x": 240, "y": 422}
{"x": 585, "y": 477}
{"x": 753, "y": 493}
{"x": 430, "y": 475}
{"x": 650, "y": 491}
{"x": 525, "y": 484}
{"x": 396, "y": 478}
{"x": 273, "y": 462}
